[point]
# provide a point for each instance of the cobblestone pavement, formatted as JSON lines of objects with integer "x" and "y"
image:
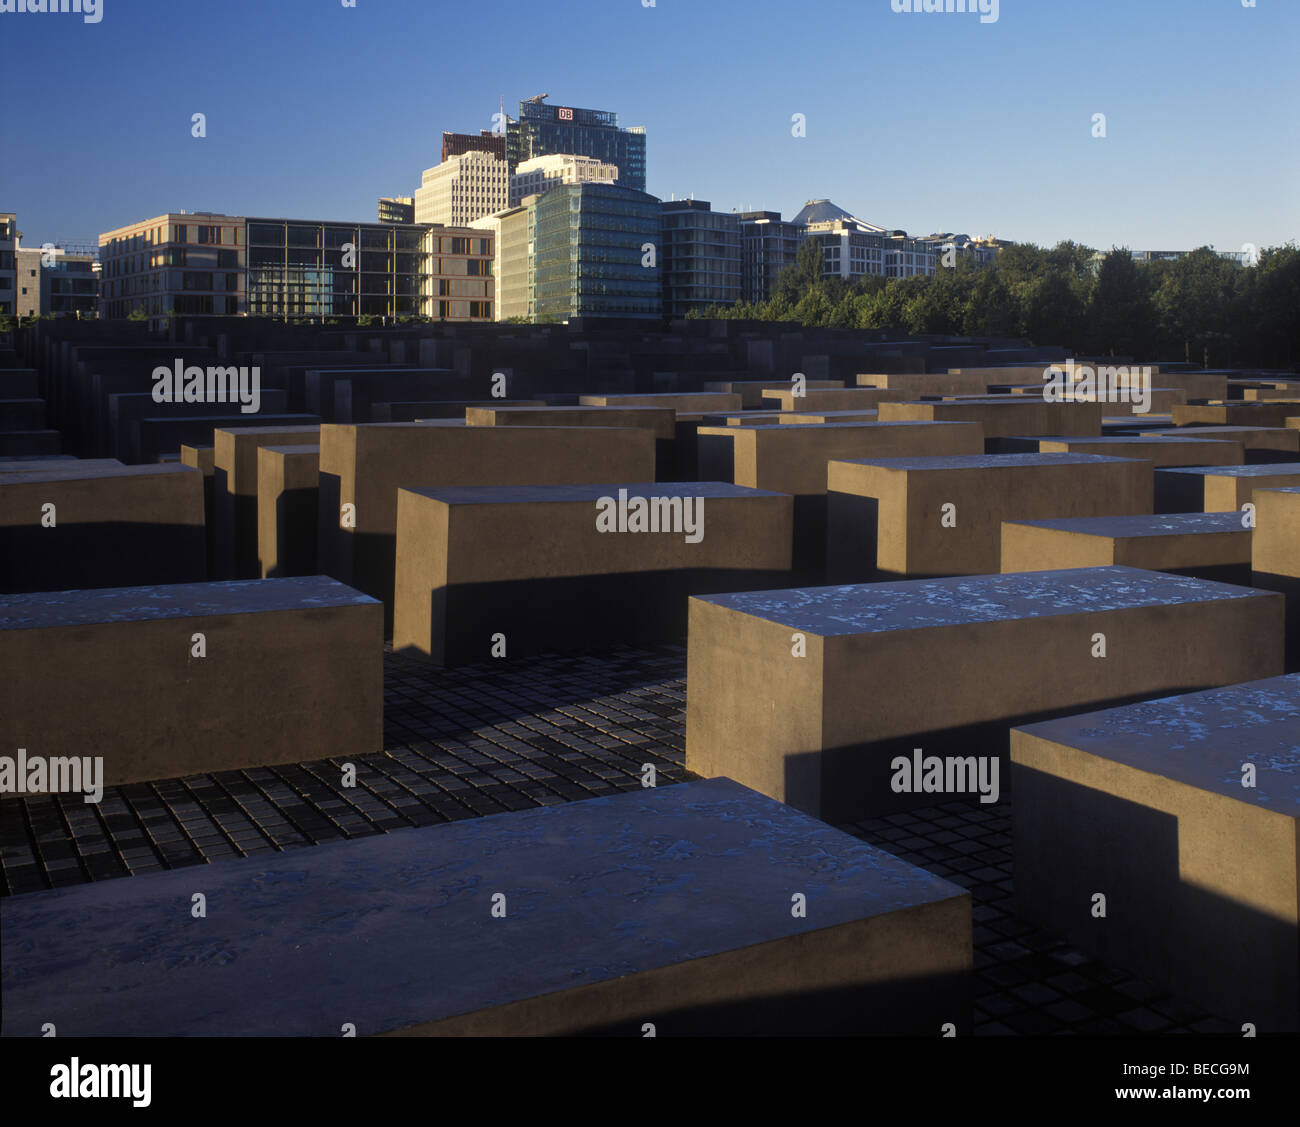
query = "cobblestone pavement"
{"x": 481, "y": 740}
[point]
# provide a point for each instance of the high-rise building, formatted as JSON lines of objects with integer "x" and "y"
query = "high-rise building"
{"x": 454, "y": 144}
{"x": 9, "y": 241}
{"x": 594, "y": 252}
{"x": 702, "y": 263}
{"x": 462, "y": 189}
{"x": 544, "y": 130}
{"x": 222, "y": 265}
{"x": 768, "y": 245}
{"x": 541, "y": 174}
{"x": 396, "y": 209}
{"x": 515, "y": 261}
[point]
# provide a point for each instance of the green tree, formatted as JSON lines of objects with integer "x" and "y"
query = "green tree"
{"x": 1120, "y": 317}
{"x": 1052, "y": 311}
{"x": 801, "y": 275}
{"x": 991, "y": 310}
{"x": 1194, "y": 305}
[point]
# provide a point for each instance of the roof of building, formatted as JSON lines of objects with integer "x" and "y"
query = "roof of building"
{"x": 823, "y": 211}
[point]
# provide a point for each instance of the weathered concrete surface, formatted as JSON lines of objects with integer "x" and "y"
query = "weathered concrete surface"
{"x": 1005, "y": 415}
{"x": 794, "y": 459}
{"x": 947, "y": 665}
{"x": 364, "y": 466}
{"x": 917, "y": 517}
{"x": 531, "y": 566}
{"x": 1145, "y": 805}
{"x": 293, "y": 670}
{"x": 690, "y": 401}
{"x": 1276, "y": 442}
{"x": 751, "y": 391}
{"x": 288, "y": 504}
{"x": 1219, "y": 489}
{"x": 1206, "y": 545}
{"x": 668, "y": 906}
{"x": 1275, "y": 557}
{"x": 831, "y": 399}
{"x": 234, "y": 491}
{"x": 108, "y": 525}
{"x": 1163, "y": 452}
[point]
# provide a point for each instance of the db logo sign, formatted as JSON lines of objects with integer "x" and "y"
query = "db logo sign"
{"x": 563, "y": 114}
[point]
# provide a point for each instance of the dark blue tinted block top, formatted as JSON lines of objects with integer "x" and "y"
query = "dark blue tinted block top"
{"x": 786, "y": 428}
{"x": 1267, "y": 469}
{"x": 1202, "y": 739}
{"x": 524, "y": 409}
{"x": 396, "y": 930}
{"x": 48, "y": 609}
{"x": 1224, "y": 429}
{"x": 922, "y": 604}
{"x": 1122, "y": 439}
{"x": 985, "y": 461}
{"x": 1160, "y": 524}
{"x": 72, "y": 471}
{"x": 304, "y": 449}
{"x": 544, "y": 494}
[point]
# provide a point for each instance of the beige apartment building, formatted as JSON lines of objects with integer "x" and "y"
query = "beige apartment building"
{"x": 462, "y": 189}
{"x": 209, "y": 264}
{"x": 8, "y": 263}
{"x": 541, "y": 174}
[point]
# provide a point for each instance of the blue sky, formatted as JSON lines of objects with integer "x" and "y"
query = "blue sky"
{"x": 926, "y": 121}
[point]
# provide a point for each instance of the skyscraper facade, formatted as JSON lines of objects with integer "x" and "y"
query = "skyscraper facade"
{"x": 595, "y": 253}
{"x": 544, "y": 130}
{"x": 462, "y": 189}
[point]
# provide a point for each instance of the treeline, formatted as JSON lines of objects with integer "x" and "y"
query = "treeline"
{"x": 1200, "y": 308}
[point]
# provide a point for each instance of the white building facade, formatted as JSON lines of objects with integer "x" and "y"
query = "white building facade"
{"x": 541, "y": 174}
{"x": 463, "y": 189}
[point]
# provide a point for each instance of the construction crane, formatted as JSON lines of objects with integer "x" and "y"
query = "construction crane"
{"x": 539, "y": 98}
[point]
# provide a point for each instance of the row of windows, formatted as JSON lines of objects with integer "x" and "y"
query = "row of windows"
{"x": 203, "y": 234}
{"x": 332, "y": 238}
{"x": 194, "y": 280}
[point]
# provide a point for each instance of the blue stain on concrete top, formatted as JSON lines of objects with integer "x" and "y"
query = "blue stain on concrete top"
{"x": 71, "y": 471}
{"x": 920, "y": 604}
{"x": 1159, "y": 524}
{"x": 1266, "y": 469}
{"x": 1226, "y": 428}
{"x": 786, "y": 428}
{"x": 1202, "y": 739}
{"x": 303, "y": 449}
{"x": 553, "y": 494}
{"x": 1122, "y": 439}
{"x": 396, "y": 930}
{"x": 524, "y": 409}
{"x": 48, "y": 609}
{"x": 958, "y": 462}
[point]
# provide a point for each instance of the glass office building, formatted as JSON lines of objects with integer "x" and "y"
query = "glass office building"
{"x": 304, "y": 269}
{"x": 223, "y": 265}
{"x": 589, "y": 246}
{"x": 544, "y": 130}
{"x": 298, "y": 269}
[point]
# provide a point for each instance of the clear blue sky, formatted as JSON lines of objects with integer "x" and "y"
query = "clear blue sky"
{"x": 927, "y": 122}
